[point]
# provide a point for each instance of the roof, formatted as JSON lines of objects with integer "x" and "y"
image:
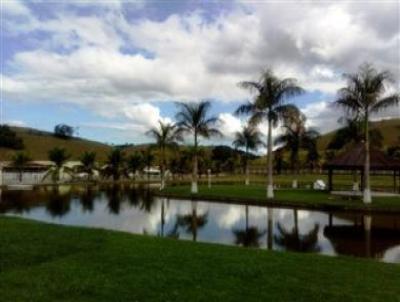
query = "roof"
{"x": 354, "y": 159}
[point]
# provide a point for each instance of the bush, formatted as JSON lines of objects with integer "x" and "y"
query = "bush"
{"x": 63, "y": 131}
{"x": 9, "y": 139}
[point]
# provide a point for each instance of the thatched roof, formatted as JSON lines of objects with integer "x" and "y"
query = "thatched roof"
{"x": 354, "y": 159}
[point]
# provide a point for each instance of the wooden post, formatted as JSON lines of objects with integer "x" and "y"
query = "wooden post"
{"x": 330, "y": 175}
{"x": 362, "y": 181}
{"x": 394, "y": 181}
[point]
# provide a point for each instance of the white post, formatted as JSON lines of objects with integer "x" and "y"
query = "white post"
{"x": 209, "y": 178}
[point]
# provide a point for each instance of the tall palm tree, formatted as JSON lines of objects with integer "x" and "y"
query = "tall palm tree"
{"x": 19, "y": 161}
{"x": 362, "y": 97}
{"x": 194, "y": 118}
{"x": 269, "y": 104}
{"x": 88, "y": 160}
{"x": 295, "y": 137}
{"x": 166, "y": 135}
{"x": 134, "y": 163}
{"x": 58, "y": 156}
{"x": 249, "y": 139}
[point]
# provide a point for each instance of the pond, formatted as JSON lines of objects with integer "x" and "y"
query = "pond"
{"x": 136, "y": 210}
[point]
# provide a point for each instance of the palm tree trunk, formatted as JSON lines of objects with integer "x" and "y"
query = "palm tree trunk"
{"x": 295, "y": 169}
{"x": 247, "y": 181}
{"x": 194, "y": 188}
{"x": 162, "y": 168}
{"x": 367, "y": 188}
{"x": 270, "y": 187}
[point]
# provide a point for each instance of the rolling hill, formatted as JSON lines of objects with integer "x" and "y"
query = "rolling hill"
{"x": 38, "y": 143}
{"x": 390, "y": 130}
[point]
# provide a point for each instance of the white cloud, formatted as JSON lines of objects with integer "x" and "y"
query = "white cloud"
{"x": 116, "y": 66}
{"x": 14, "y": 8}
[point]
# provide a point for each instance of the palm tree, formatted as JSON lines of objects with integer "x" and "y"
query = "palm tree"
{"x": 135, "y": 162}
{"x": 148, "y": 158}
{"x": 193, "y": 118}
{"x": 249, "y": 139}
{"x": 88, "y": 160}
{"x": 353, "y": 132}
{"x": 363, "y": 96}
{"x": 19, "y": 161}
{"x": 295, "y": 137}
{"x": 115, "y": 162}
{"x": 58, "y": 156}
{"x": 165, "y": 135}
{"x": 269, "y": 104}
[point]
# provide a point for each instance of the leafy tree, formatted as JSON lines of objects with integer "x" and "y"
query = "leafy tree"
{"x": 19, "y": 161}
{"x": 363, "y": 96}
{"x": 269, "y": 104}
{"x": 9, "y": 139}
{"x": 58, "y": 156}
{"x": 249, "y": 139}
{"x": 394, "y": 152}
{"x": 166, "y": 135}
{"x": 194, "y": 119}
{"x": 88, "y": 160}
{"x": 63, "y": 131}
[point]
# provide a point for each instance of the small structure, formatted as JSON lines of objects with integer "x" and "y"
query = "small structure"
{"x": 353, "y": 159}
{"x": 32, "y": 173}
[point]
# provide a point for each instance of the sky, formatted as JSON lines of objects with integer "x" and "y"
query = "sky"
{"x": 113, "y": 69}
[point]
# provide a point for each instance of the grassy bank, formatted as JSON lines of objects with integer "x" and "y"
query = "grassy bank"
{"x": 300, "y": 198}
{"x": 41, "y": 262}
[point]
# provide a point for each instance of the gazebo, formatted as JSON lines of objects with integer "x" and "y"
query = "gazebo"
{"x": 353, "y": 159}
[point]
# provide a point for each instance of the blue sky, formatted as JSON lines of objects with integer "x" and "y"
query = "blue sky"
{"x": 114, "y": 68}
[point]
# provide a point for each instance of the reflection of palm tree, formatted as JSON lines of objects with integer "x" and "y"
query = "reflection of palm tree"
{"x": 87, "y": 199}
{"x": 192, "y": 222}
{"x": 249, "y": 236}
{"x": 58, "y": 204}
{"x": 293, "y": 241}
{"x": 270, "y": 228}
{"x": 147, "y": 200}
{"x": 114, "y": 199}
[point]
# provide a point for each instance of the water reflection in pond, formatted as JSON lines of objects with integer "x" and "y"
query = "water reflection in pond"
{"x": 136, "y": 210}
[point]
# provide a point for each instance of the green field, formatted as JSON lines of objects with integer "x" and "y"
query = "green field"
{"x": 284, "y": 197}
{"x": 42, "y": 262}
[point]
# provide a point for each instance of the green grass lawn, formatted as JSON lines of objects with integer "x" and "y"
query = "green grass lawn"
{"x": 288, "y": 197}
{"x": 42, "y": 262}
{"x": 340, "y": 181}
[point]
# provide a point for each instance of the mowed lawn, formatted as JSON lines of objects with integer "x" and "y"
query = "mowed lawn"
{"x": 289, "y": 197}
{"x": 42, "y": 262}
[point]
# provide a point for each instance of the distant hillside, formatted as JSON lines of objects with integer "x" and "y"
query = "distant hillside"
{"x": 37, "y": 144}
{"x": 390, "y": 130}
